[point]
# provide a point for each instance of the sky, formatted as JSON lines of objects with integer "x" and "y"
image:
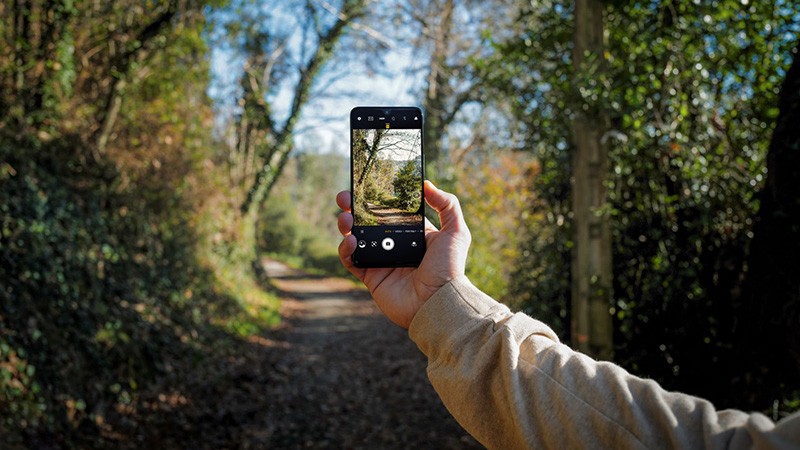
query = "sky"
{"x": 398, "y": 144}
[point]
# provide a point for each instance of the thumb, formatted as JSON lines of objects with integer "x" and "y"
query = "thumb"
{"x": 448, "y": 207}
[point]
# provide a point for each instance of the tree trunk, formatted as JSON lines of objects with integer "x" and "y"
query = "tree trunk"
{"x": 436, "y": 92}
{"x": 372, "y": 155}
{"x": 276, "y": 156}
{"x": 769, "y": 335}
{"x": 591, "y": 258}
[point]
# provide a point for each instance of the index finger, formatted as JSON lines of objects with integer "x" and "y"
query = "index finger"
{"x": 343, "y": 200}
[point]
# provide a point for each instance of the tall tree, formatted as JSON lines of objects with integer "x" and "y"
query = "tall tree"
{"x": 690, "y": 91}
{"x": 447, "y": 35}
{"x": 371, "y": 155}
{"x": 770, "y": 310}
{"x": 591, "y": 263}
{"x": 320, "y": 39}
{"x": 438, "y": 88}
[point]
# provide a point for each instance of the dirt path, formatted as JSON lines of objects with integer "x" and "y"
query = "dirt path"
{"x": 393, "y": 216}
{"x": 356, "y": 380}
{"x": 336, "y": 374}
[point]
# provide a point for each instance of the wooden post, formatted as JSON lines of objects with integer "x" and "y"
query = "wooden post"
{"x": 591, "y": 255}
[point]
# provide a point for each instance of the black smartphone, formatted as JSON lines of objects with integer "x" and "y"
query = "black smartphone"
{"x": 386, "y": 168}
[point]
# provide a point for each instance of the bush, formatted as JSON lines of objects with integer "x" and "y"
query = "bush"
{"x": 102, "y": 291}
{"x": 93, "y": 286}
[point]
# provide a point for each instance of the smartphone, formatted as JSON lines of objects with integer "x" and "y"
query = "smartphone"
{"x": 386, "y": 168}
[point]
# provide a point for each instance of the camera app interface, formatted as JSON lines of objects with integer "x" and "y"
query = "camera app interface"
{"x": 387, "y": 170}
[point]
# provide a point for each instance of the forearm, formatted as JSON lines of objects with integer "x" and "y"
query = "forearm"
{"x": 509, "y": 382}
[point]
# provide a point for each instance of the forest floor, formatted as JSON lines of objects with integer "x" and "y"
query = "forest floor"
{"x": 335, "y": 374}
{"x": 386, "y": 215}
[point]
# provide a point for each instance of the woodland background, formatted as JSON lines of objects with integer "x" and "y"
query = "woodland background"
{"x": 139, "y": 187}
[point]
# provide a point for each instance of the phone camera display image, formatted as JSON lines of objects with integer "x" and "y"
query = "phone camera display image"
{"x": 387, "y": 168}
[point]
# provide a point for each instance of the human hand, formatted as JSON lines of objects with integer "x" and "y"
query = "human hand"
{"x": 400, "y": 292}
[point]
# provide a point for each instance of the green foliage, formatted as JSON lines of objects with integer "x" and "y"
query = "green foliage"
{"x": 20, "y": 394}
{"x": 68, "y": 300}
{"x": 103, "y": 291}
{"x": 690, "y": 89}
{"x": 408, "y": 187}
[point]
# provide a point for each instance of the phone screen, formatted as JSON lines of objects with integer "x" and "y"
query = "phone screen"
{"x": 387, "y": 167}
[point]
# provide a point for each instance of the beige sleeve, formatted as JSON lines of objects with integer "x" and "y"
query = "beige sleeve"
{"x": 510, "y": 383}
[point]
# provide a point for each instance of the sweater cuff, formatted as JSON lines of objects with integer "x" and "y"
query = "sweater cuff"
{"x": 455, "y": 305}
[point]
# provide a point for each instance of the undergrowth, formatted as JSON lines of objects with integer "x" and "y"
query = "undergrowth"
{"x": 108, "y": 290}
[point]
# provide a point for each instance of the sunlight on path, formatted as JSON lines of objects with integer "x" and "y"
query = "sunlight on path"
{"x": 386, "y": 215}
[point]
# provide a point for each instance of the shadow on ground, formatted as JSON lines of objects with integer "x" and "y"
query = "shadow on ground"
{"x": 336, "y": 374}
